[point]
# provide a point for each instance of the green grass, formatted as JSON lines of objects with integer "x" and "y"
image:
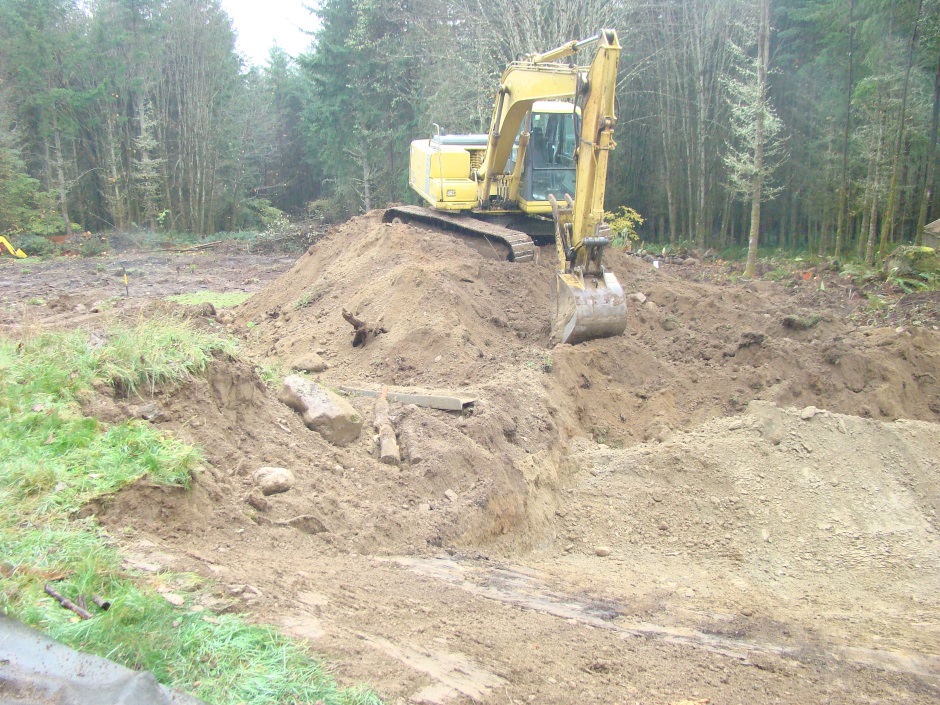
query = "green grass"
{"x": 272, "y": 374}
{"x": 54, "y": 460}
{"x": 219, "y": 299}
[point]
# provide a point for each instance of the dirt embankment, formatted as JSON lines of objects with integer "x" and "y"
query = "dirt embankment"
{"x": 649, "y": 485}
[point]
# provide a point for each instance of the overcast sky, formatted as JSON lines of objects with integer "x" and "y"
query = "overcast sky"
{"x": 260, "y": 24}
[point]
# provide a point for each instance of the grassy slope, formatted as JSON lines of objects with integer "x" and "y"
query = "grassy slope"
{"x": 53, "y": 460}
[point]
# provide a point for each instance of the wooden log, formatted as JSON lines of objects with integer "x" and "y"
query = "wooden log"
{"x": 66, "y": 602}
{"x": 389, "y": 452}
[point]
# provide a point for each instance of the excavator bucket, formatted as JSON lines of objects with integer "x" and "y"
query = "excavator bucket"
{"x": 587, "y": 308}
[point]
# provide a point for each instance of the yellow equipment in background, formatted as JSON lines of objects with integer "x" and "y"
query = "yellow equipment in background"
{"x": 543, "y": 162}
{"x": 8, "y": 246}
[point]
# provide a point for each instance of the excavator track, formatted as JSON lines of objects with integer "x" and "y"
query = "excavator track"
{"x": 518, "y": 246}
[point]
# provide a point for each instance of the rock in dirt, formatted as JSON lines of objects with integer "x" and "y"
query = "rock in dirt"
{"x": 913, "y": 261}
{"x": 311, "y": 362}
{"x": 808, "y": 413}
{"x": 321, "y": 410}
{"x": 602, "y": 551}
{"x": 150, "y": 412}
{"x": 308, "y": 523}
{"x": 273, "y": 480}
{"x": 257, "y": 500}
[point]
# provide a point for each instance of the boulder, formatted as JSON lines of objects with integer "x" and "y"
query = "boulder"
{"x": 311, "y": 362}
{"x": 273, "y": 480}
{"x": 907, "y": 261}
{"x": 321, "y": 410}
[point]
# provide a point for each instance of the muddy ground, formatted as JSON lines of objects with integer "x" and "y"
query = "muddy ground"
{"x": 735, "y": 501}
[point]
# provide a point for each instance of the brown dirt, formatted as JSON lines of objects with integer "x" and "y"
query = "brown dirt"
{"x": 750, "y": 555}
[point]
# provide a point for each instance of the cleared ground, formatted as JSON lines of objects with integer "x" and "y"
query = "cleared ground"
{"x": 757, "y": 470}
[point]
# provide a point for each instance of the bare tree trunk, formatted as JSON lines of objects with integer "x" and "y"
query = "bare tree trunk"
{"x": 875, "y": 188}
{"x": 60, "y": 175}
{"x": 927, "y": 199}
{"x": 758, "y": 180}
{"x": 843, "y": 189}
{"x": 888, "y": 225}
{"x": 366, "y": 183}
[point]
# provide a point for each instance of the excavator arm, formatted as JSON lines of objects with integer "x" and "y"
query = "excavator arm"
{"x": 8, "y": 246}
{"x": 522, "y": 85}
{"x": 589, "y": 301}
{"x": 538, "y": 77}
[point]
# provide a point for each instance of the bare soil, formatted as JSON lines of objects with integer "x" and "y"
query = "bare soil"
{"x": 734, "y": 502}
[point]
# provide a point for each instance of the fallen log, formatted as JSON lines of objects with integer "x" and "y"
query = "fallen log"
{"x": 389, "y": 452}
{"x": 363, "y": 332}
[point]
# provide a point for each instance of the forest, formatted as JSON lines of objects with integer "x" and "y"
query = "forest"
{"x": 124, "y": 114}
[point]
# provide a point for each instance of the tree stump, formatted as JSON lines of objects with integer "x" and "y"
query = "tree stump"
{"x": 363, "y": 332}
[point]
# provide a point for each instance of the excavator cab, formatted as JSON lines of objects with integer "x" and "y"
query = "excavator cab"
{"x": 548, "y": 162}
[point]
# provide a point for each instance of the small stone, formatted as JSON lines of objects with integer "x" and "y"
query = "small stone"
{"x": 257, "y": 500}
{"x": 569, "y": 548}
{"x": 690, "y": 593}
{"x": 602, "y": 551}
{"x": 662, "y": 526}
{"x": 174, "y": 599}
{"x": 808, "y": 413}
{"x": 150, "y": 411}
{"x": 311, "y": 362}
{"x": 638, "y": 297}
{"x": 424, "y": 508}
{"x": 273, "y": 480}
{"x": 735, "y": 425}
{"x": 842, "y": 427}
{"x": 657, "y": 497}
{"x": 451, "y": 495}
{"x": 765, "y": 535}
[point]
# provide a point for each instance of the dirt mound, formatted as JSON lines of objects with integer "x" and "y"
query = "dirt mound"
{"x": 344, "y": 496}
{"x": 453, "y": 316}
{"x": 458, "y": 320}
{"x": 692, "y": 350}
{"x": 831, "y": 519}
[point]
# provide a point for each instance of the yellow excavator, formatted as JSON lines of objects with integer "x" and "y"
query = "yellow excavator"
{"x": 7, "y": 246}
{"x": 540, "y": 171}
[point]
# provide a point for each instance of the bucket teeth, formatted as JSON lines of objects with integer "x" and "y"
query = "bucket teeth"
{"x": 588, "y": 308}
